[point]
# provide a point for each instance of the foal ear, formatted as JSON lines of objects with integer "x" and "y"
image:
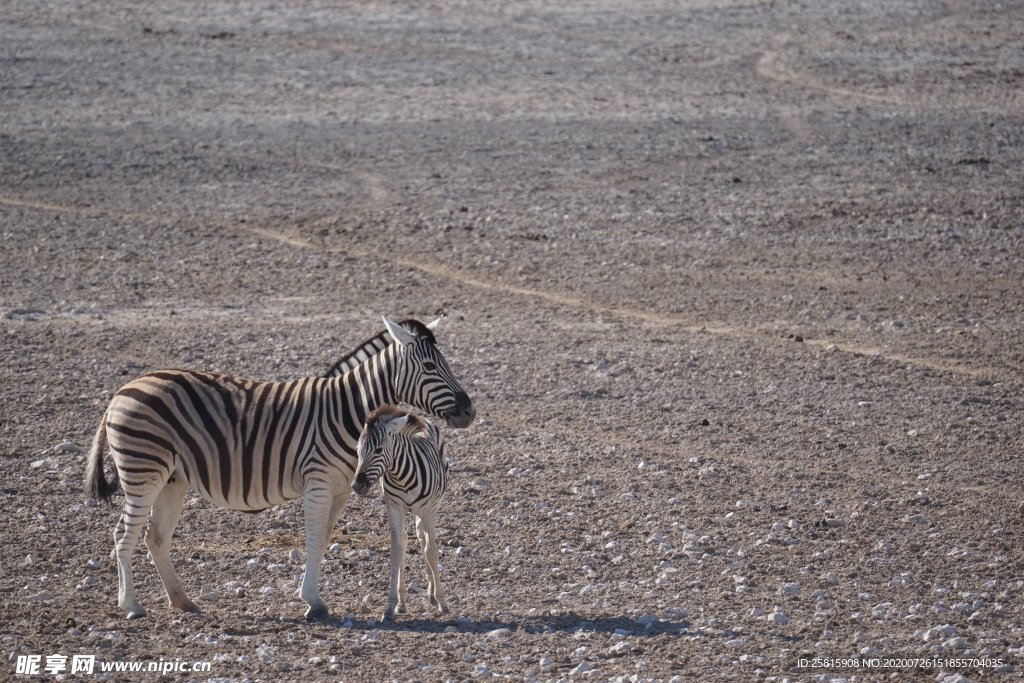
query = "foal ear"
{"x": 398, "y": 333}
{"x": 432, "y": 326}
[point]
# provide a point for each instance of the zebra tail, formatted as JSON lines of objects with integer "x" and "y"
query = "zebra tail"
{"x": 96, "y": 484}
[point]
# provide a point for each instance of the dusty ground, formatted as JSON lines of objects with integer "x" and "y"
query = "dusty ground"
{"x": 737, "y": 287}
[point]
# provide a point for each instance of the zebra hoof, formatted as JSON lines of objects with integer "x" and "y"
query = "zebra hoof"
{"x": 137, "y": 614}
{"x": 187, "y": 605}
{"x": 388, "y": 618}
{"x": 318, "y": 613}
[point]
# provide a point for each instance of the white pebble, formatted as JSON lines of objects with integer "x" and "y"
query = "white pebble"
{"x": 778, "y": 618}
{"x": 944, "y": 631}
{"x": 36, "y": 464}
{"x": 67, "y": 447}
{"x": 545, "y": 664}
{"x": 31, "y": 559}
{"x": 41, "y": 596}
{"x": 253, "y": 564}
{"x": 957, "y": 643}
{"x": 581, "y": 668}
{"x": 900, "y": 580}
{"x": 647, "y": 620}
{"x": 499, "y": 634}
{"x": 789, "y": 589}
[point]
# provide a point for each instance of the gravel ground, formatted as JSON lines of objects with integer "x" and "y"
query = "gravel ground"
{"x": 737, "y": 288}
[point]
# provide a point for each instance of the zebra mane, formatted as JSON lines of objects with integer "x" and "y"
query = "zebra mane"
{"x": 374, "y": 345}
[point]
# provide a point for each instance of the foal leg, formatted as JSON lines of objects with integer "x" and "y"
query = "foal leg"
{"x": 434, "y": 590}
{"x": 165, "y": 516}
{"x": 396, "y": 516}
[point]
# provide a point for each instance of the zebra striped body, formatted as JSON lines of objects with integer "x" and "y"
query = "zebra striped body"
{"x": 405, "y": 453}
{"x": 249, "y": 445}
{"x": 240, "y": 444}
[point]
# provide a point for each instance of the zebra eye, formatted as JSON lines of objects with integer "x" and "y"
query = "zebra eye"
{"x": 429, "y": 366}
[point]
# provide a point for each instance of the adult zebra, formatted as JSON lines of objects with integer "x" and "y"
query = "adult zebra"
{"x": 249, "y": 445}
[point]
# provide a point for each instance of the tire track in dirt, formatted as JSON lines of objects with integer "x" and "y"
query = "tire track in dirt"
{"x": 640, "y": 315}
{"x": 766, "y": 66}
{"x": 553, "y": 298}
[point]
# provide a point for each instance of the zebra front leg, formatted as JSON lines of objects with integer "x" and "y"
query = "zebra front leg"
{"x": 396, "y": 517}
{"x": 316, "y": 508}
{"x": 165, "y": 516}
{"x": 336, "y": 507}
{"x": 428, "y": 537}
{"x": 126, "y": 535}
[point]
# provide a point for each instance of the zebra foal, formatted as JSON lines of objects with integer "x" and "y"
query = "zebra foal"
{"x": 406, "y": 454}
{"x": 249, "y": 445}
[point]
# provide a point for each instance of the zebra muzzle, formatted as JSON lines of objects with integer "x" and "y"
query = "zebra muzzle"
{"x": 463, "y": 413}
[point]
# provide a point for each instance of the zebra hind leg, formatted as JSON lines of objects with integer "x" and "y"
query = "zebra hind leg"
{"x": 126, "y": 534}
{"x": 165, "y": 516}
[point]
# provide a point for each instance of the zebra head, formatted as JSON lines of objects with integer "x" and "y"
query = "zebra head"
{"x": 423, "y": 379}
{"x": 374, "y": 459}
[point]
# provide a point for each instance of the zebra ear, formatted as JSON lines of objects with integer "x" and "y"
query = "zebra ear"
{"x": 398, "y": 333}
{"x": 432, "y": 326}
